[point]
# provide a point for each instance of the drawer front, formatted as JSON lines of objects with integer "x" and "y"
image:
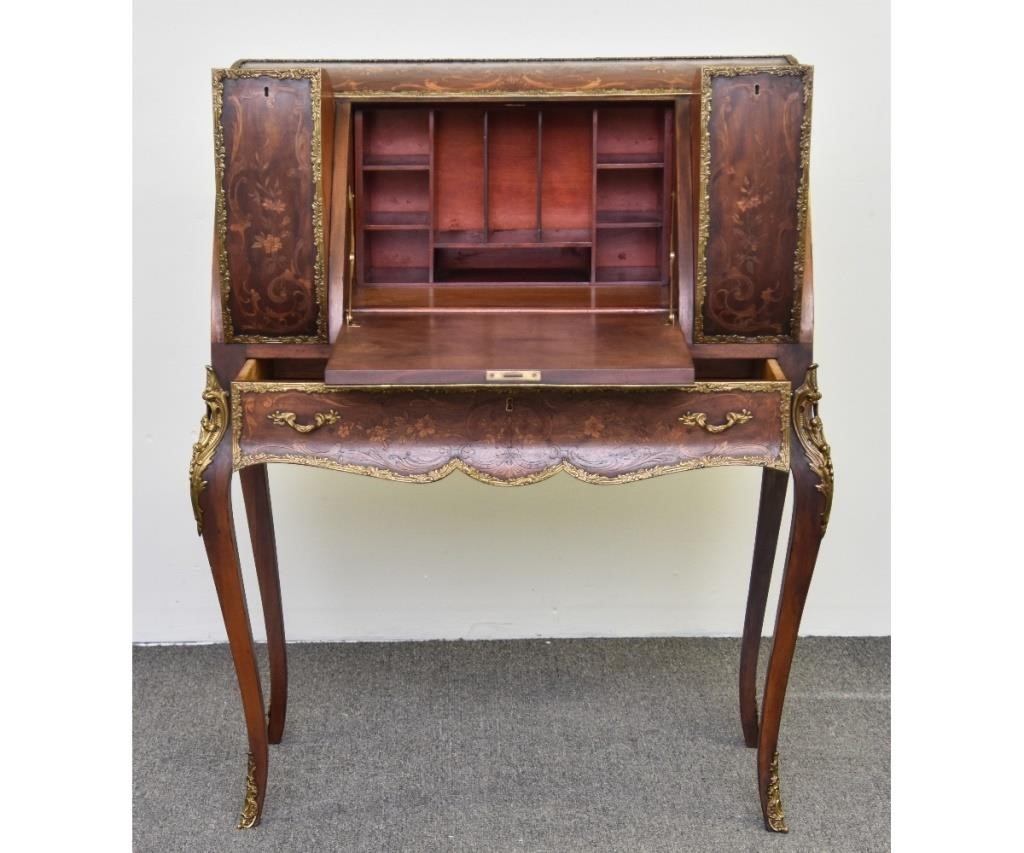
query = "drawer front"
{"x": 512, "y": 436}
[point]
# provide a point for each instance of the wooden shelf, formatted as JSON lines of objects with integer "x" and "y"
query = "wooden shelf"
{"x": 397, "y": 275}
{"x": 518, "y": 239}
{"x": 628, "y": 275}
{"x": 519, "y": 277}
{"x": 629, "y": 219}
{"x": 396, "y": 167}
{"x": 398, "y": 220}
{"x": 624, "y": 161}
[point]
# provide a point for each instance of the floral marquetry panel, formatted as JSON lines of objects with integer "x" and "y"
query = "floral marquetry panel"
{"x": 269, "y": 205}
{"x": 755, "y": 133}
{"x": 512, "y": 436}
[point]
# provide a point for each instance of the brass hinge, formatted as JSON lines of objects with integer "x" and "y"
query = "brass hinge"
{"x": 349, "y": 317}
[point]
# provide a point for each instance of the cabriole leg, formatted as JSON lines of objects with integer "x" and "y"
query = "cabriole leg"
{"x": 256, "y": 494}
{"x": 210, "y": 480}
{"x": 769, "y": 520}
{"x": 812, "y": 501}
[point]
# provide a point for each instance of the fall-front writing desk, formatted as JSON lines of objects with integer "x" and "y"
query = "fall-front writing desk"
{"x": 512, "y": 269}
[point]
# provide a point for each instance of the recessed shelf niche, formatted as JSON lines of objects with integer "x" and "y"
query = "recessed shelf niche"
{"x": 533, "y": 205}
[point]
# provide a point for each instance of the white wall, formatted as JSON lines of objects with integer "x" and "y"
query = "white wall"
{"x": 367, "y": 559}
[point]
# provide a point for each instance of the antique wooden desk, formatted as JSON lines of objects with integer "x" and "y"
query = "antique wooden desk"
{"x": 512, "y": 269}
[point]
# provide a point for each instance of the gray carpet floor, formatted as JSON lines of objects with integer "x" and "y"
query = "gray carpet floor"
{"x": 528, "y": 745}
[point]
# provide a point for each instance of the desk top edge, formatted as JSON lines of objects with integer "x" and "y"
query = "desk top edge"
{"x": 597, "y": 77}
{"x": 765, "y": 59}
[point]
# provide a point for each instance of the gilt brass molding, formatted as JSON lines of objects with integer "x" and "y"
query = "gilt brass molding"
{"x": 700, "y": 419}
{"x": 317, "y": 387}
{"x": 775, "y": 817}
{"x": 221, "y": 212}
{"x": 779, "y": 462}
{"x": 211, "y": 430}
{"x": 261, "y": 458}
{"x": 503, "y": 60}
{"x": 704, "y": 200}
{"x": 810, "y": 431}
{"x": 250, "y": 816}
{"x": 290, "y": 419}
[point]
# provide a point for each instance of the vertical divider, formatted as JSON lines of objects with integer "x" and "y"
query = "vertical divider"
{"x": 357, "y": 207}
{"x": 687, "y": 112}
{"x": 342, "y": 234}
{"x": 665, "y": 268}
{"x": 431, "y": 203}
{"x": 540, "y": 171}
{"x": 593, "y": 211}
{"x": 487, "y": 181}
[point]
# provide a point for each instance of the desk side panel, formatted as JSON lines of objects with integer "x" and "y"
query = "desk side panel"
{"x": 270, "y": 205}
{"x": 752, "y": 196}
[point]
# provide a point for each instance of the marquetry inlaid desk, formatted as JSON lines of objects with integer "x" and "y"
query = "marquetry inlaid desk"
{"x": 512, "y": 269}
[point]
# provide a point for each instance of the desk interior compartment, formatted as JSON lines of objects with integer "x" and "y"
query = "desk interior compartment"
{"x": 535, "y": 206}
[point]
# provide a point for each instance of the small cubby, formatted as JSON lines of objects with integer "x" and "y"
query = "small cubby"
{"x": 567, "y": 169}
{"x": 396, "y": 198}
{"x": 631, "y": 136}
{"x": 397, "y": 257}
{"x": 395, "y": 138}
{"x": 522, "y": 195}
{"x": 503, "y": 265}
{"x": 634, "y": 196}
{"x": 629, "y": 255}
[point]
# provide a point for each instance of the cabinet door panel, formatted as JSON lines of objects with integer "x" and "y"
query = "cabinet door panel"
{"x": 755, "y": 129}
{"x": 270, "y": 197}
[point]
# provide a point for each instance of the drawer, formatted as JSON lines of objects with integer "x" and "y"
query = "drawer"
{"x": 512, "y": 436}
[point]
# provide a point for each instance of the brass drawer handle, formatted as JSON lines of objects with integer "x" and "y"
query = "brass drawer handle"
{"x": 700, "y": 419}
{"x": 319, "y": 419}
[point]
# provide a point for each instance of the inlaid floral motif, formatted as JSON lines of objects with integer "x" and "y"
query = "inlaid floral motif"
{"x": 270, "y": 243}
{"x": 740, "y": 298}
